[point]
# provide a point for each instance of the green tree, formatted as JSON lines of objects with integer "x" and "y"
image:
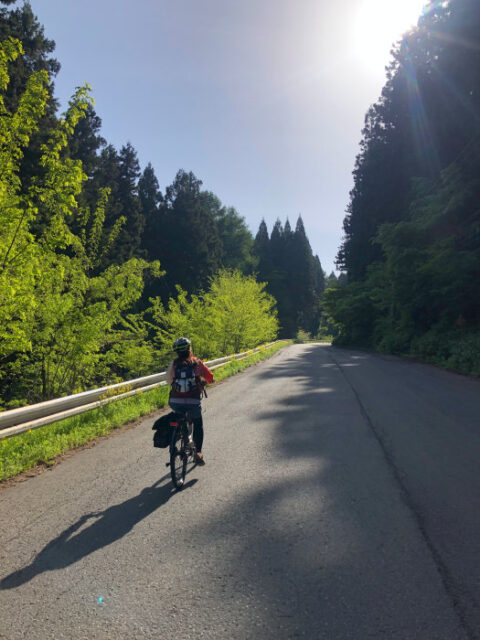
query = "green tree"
{"x": 20, "y": 256}
{"x": 304, "y": 279}
{"x": 57, "y": 320}
{"x": 235, "y": 237}
{"x": 86, "y": 141}
{"x": 293, "y": 275}
{"x": 150, "y": 199}
{"x": 106, "y": 176}
{"x": 425, "y": 118}
{"x": 22, "y": 24}
{"x": 411, "y": 249}
{"x": 241, "y": 313}
{"x": 119, "y": 172}
{"x": 127, "y": 190}
{"x": 261, "y": 249}
{"x": 235, "y": 314}
{"x": 190, "y": 247}
{"x": 182, "y": 315}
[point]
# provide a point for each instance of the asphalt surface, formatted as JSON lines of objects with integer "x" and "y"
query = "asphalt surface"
{"x": 340, "y": 500}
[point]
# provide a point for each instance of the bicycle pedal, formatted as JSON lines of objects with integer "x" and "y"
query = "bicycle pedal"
{"x": 167, "y": 464}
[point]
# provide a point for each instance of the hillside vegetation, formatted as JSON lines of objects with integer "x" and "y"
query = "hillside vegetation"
{"x": 411, "y": 252}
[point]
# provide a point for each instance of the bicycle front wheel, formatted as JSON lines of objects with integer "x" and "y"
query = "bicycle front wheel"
{"x": 178, "y": 459}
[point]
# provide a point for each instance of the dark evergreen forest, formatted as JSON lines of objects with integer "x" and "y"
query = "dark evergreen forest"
{"x": 112, "y": 257}
{"x": 411, "y": 250}
{"x": 295, "y": 277}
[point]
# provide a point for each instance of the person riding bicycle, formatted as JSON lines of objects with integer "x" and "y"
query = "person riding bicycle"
{"x": 187, "y": 376}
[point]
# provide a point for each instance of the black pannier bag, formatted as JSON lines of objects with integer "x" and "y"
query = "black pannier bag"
{"x": 163, "y": 430}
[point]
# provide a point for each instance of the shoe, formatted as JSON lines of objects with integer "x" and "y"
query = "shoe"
{"x": 199, "y": 459}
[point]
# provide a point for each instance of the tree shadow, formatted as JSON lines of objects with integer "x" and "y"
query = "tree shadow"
{"x": 105, "y": 528}
{"x": 325, "y": 546}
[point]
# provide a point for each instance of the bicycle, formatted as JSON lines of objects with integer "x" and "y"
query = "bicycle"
{"x": 182, "y": 448}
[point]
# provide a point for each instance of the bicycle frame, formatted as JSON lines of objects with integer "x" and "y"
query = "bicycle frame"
{"x": 182, "y": 448}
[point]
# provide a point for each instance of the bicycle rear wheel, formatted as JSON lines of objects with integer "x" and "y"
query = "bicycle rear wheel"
{"x": 178, "y": 459}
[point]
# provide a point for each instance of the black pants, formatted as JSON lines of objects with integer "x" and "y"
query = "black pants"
{"x": 198, "y": 433}
{"x": 197, "y": 422}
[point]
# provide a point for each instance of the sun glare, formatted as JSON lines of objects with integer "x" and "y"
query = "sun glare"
{"x": 379, "y": 23}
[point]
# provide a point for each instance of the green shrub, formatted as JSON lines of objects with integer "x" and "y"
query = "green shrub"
{"x": 465, "y": 354}
{"x": 302, "y": 336}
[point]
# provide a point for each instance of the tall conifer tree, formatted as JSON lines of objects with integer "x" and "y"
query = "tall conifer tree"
{"x": 151, "y": 199}
{"x": 261, "y": 248}
{"x": 131, "y": 233}
{"x": 303, "y": 270}
{"x": 191, "y": 247}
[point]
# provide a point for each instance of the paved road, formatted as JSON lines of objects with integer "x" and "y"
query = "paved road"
{"x": 340, "y": 500}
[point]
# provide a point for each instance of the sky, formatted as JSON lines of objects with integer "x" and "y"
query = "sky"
{"x": 264, "y": 100}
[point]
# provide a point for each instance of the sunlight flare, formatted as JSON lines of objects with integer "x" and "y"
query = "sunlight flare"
{"x": 380, "y": 23}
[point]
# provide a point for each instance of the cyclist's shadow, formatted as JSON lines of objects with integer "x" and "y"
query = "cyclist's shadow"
{"x": 108, "y": 526}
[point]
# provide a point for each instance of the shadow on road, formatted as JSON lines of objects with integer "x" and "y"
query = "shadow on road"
{"x": 320, "y": 545}
{"x": 325, "y": 548}
{"x": 104, "y": 528}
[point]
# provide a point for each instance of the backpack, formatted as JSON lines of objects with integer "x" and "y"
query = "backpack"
{"x": 163, "y": 431}
{"x": 185, "y": 382}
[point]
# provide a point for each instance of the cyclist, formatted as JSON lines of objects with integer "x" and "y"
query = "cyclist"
{"x": 187, "y": 376}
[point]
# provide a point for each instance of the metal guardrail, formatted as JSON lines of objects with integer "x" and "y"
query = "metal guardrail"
{"x": 17, "y": 421}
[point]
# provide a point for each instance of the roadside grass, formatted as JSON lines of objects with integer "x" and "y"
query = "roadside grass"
{"x": 43, "y": 445}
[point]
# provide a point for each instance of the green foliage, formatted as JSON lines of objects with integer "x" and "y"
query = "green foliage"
{"x": 66, "y": 314}
{"x": 150, "y": 200}
{"x": 412, "y": 246}
{"x": 351, "y": 310}
{"x": 423, "y": 298}
{"x": 424, "y": 121}
{"x": 182, "y": 316}
{"x": 190, "y": 244}
{"x": 131, "y": 353}
{"x": 235, "y": 237}
{"x": 302, "y": 336}
{"x": 464, "y": 353}
{"x": 235, "y": 314}
{"x": 22, "y": 25}
{"x": 239, "y": 312}
{"x": 85, "y": 143}
{"x": 20, "y": 256}
{"x": 57, "y": 322}
{"x": 293, "y": 275}
{"x": 77, "y": 326}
